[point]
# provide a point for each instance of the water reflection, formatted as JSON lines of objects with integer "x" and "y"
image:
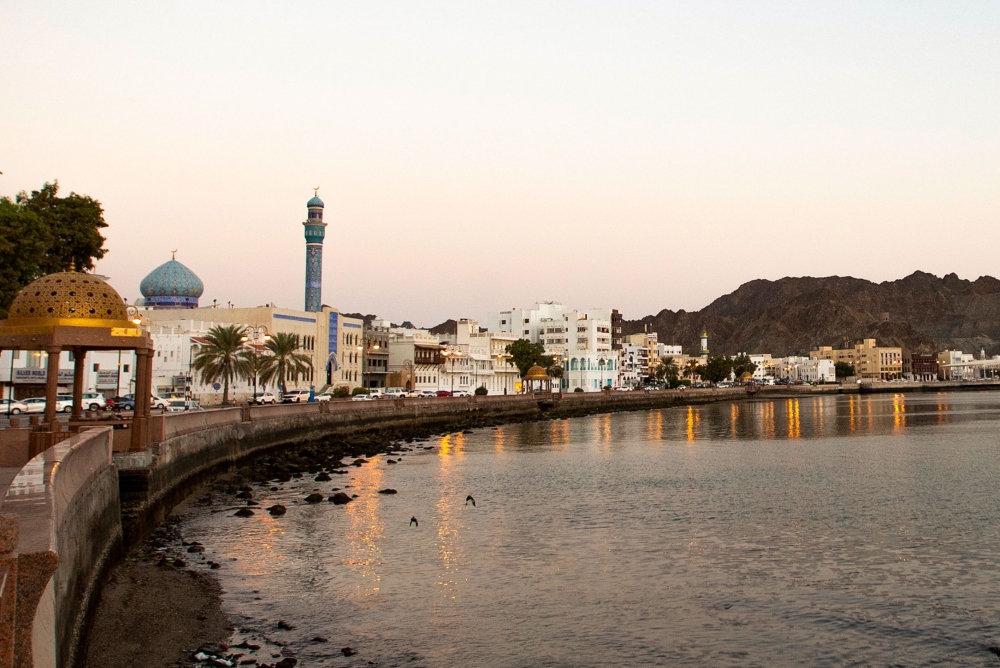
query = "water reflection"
{"x": 365, "y": 528}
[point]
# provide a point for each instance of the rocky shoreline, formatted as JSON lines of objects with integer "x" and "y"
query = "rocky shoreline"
{"x": 161, "y": 607}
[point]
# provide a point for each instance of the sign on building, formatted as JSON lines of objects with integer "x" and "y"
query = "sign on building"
{"x": 107, "y": 380}
{"x": 36, "y": 376}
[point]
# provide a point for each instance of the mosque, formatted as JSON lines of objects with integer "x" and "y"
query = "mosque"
{"x": 177, "y": 323}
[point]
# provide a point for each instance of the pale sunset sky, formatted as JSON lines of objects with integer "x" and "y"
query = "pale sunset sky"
{"x": 475, "y": 156}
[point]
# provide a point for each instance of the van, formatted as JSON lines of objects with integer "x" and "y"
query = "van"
{"x": 376, "y": 392}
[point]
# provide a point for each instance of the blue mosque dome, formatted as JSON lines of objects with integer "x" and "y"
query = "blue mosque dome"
{"x": 171, "y": 285}
{"x": 315, "y": 201}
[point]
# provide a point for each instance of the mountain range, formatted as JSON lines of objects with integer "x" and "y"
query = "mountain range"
{"x": 790, "y": 316}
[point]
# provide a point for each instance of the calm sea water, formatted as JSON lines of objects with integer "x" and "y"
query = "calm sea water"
{"x": 821, "y": 531}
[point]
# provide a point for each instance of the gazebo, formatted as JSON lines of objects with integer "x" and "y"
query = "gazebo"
{"x": 537, "y": 381}
{"x": 77, "y": 312}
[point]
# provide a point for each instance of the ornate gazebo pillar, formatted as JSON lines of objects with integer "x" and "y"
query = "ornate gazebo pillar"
{"x": 79, "y": 369}
{"x": 51, "y": 385}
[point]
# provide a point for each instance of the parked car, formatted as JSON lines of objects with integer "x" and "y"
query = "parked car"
{"x": 262, "y": 398}
{"x": 64, "y": 403}
{"x": 461, "y": 393}
{"x": 326, "y": 396}
{"x": 376, "y": 392}
{"x": 181, "y": 405}
{"x": 94, "y": 401}
{"x": 295, "y": 397}
{"x": 13, "y": 407}
{"x": 362, "y": 397}
{"x": 36, "y": 405}
{"x": 395, "y": 393}
{"x": 443, "y": 393}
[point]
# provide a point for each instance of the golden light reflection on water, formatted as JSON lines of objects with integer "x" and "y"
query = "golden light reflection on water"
{"x": 734, "y": 415}
{"x": 654, "y": 426}
{"x": 499, "y": 438}
{"x": 452, "y": 445}
{"x": 794, "y": 420}
{"x": 770, "y": 429}
{"x": 605, "y": 430}
{"x": 559, "y": 433}
{"x": 851, "y": 411}
{"x": 449, "y": 545}
{"x": 693, "y": 418}
{"x": 366, "y": 528}
{"x": 898, "y": 411}
{"x": 258, "y": 551}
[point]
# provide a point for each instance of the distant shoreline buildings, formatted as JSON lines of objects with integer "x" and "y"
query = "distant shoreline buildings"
{"x": 587, "y": 345}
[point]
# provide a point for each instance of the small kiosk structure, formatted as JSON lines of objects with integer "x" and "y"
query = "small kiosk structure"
{"x": 78, "y": 312}
{"x": 537, "y": 381}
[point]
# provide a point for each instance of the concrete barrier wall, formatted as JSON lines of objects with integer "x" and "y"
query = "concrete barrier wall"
{"x": 65, "y": 504}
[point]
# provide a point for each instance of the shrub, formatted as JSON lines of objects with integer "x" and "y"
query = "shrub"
{"x": 579, "y": 389}
{"x": 677, "y": 382}
{"x": 358, "y": 390}
{"x": 341, "y": 392}
{"x": 481, "y": 391}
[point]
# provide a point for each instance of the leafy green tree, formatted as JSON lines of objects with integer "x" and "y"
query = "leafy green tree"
{"x": 525, "y": 354}
{"x": 341, "y": 392}
{"x": 555, "y": 371}
{"x": 743, "y": 364}
{"x": 42, "y": 233}
{"x": 283, "y": 361}
{"x": 691, "y": 370}
{"x": 481, "y": 391}
{"x": 358, "y": 390}
{"x": 843, "y": 369}
{"x": 222, "y": 358}
{"x": 716, "y": 369}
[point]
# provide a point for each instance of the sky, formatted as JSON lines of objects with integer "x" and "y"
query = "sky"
{"x": 476, "y": 156}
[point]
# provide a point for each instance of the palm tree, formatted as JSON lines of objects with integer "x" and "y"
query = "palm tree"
{"x": 692, "y": 368}
{"x": 284, "y": 362}
{"x": 666, "y": 370}
{"x": 221, "y": 358}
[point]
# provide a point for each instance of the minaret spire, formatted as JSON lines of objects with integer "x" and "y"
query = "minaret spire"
{"x": 315, "y": 232}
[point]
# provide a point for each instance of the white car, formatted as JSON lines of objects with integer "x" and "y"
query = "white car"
{"x": 181, "y": 405}
{"x": 461, "y": 393}
{"x": 395, "y": 393}
{"x": 262, "y": 398}
{"x": 295, "y": 397}
{"x": 326, "y": 396}
{"x": 36, "y": 405}
{"x": 362, "y": 397}
{"x": 93, "y": 401}
{"x": 13, "y": 407}
{"x": 376, "y": 393}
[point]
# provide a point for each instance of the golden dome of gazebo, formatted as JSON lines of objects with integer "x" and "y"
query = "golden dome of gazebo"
{"x": 68, "y": 298}
{"x": 536, "y": 372}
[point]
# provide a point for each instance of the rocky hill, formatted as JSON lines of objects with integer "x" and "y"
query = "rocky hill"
{"x": 921, "y": 312}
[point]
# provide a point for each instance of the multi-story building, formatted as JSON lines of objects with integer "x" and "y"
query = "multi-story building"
{"x": 632, "y": 359}
{"x": 375, "y": 339}
{"x": 415, "y": 359}
{"x": 921, "y": 366}
{"x": 477, "y": 359}
{"x": 870, "y": 361}
{"x": 582, "y": 340}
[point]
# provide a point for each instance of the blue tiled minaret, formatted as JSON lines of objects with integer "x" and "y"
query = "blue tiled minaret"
{"x": 315, "y": 231}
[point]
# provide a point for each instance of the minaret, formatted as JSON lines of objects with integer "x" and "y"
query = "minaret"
{"x": 315, "y": 231}
{"x": 704, "y": 342}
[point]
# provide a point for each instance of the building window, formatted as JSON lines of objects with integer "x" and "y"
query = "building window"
{"x": 97, "y": 367}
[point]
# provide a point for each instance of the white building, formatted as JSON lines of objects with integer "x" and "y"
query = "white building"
{"x": 805, "y": 369}
{"x": 479, "y": 359}
{"x": 415, "y": 359}
{"x": 332, "y": 341}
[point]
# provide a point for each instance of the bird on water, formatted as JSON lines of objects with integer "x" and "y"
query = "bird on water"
{"x": 413, "y": 520}
{"x": 469, "y": 498}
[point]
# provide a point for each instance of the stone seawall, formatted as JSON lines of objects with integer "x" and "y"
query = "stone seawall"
{"x": 63, "y": 507}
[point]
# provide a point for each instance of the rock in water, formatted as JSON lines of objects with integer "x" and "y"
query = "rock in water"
{"x": 320, "y": 639}
{"x": 277, "y": 510}
{"x": 323, "y": 477}
{"x": 387, "y": 490}
{"x": 340, "y": 498}
{"x": 284, "y": 626}
{"x": 349, "y": 651}
{"x": 243, "y": 512}
{"x": 315, "y": 497}
{"x": 287, "y": 662}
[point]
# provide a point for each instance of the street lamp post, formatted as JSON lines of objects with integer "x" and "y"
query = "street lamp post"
{"x": 255, "y": 335}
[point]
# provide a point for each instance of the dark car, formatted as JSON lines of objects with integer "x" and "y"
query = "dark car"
{"x": 125, "y": 402}
{"x": 443, "y": 393}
